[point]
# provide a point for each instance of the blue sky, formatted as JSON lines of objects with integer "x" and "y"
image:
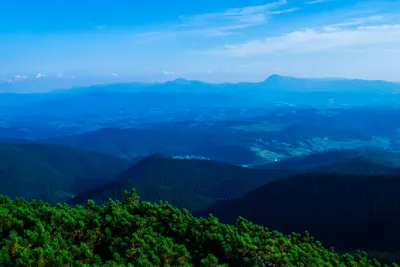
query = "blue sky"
{"x": 207, "y": 40}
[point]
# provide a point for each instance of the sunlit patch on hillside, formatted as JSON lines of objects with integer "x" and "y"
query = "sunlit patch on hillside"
{"x": 265, "y": 154}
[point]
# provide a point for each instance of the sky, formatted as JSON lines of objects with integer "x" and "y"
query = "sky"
{"x": 215, "y": 41}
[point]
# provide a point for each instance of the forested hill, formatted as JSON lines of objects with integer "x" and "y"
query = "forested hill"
{"x": 135, "y": 142}
{"x": 210, "y": 179}
{"x": 136, "y": 233}
{"x": 342, "y": 210}
{"x": 328, "y": 158}
{"x": 54, "y": 173}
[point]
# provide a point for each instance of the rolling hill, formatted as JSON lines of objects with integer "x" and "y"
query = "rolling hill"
{"x": 53, "y": 172}
{"x": 187, "y": 181}
{"x": 131, "y": 143}
{"x": 358, "y": 165}
{"x": 341, "y": 210}
{"x": 323, "y": 160}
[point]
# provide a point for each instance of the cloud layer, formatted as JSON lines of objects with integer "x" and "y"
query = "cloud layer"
{"x": 228, "y": 22}
{"x": 354, "y": 34}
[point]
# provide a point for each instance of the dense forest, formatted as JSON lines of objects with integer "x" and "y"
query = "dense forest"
{"x": 346, "y": 211}
{"x": 134, "y": 233}
{"x": 53, "y": 173}
{"x": 192, "y": 178}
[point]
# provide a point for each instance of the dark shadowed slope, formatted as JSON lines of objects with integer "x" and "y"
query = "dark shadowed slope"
{"x": 150, "y": 191}
{"x": 210, "y": 179}
{"x": 358, "y": 165}
{"x": 324, "y": 159}
{"x": 39, "y": 170}
{"x": 342, "y": 210}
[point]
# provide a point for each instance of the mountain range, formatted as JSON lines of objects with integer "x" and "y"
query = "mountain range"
{"x": 302, "y": 197}
{"x": 275, "y": 81}
{"x": 123, "y": 97}
{"x": 317, "y": 155}
{"x": 211, "y": 179}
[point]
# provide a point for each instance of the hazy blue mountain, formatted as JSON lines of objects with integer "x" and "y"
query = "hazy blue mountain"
{"x": 130, "y": 143}
{"x": 103, "y": 102}
{"x": 274, "y": 81}
{"x": 326, "y": 84}
{"x": 275, "y": 90}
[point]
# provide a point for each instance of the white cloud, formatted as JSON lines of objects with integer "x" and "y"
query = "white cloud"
{"x": 381, "y": 27}
{"x": 357, "y": 21}
{"x": 249, "y": 14}
{"x": 115, "y": 75}
{"x": 39, "y": 75}
{"x": 355, "y": 34}
{"x": 284, "y": 11}
{"x": 20, "y": 77}
{"x": 224, "y": 23}
{"x": 59, "y": 75}
{"x": 168, "y": 72}
{"x": 316, "y": 2}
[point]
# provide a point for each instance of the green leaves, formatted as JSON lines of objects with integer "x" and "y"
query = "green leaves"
{"x": 135, "y": 233}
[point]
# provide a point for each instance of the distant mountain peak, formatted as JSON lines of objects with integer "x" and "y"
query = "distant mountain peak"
{"x": 277, "y": 78}
{"x": 274, "y": 76}
{"x": 181, "y": 81}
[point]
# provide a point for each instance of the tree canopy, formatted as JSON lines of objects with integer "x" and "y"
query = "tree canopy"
{"x": 135, "y": 233}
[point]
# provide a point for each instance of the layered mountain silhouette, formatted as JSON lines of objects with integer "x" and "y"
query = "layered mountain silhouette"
{"x": 342, "y": 210}
{"x": 53, "y": 173}
{"x": 273, "y": 81}
{"x": 199, "y": 181}
{"x": 130, "y": 143}
{"x": 362, "y": 161}
{"x": 202, "y": 182}
{"x": 321, "y": 194}
{"x": 129, "y": 97}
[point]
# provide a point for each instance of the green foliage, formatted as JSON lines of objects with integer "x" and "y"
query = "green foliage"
{"x": 134, "y": 233}
{"x": 152, "y": 192}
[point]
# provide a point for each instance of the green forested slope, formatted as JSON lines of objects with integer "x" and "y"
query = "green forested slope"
{"x": 136, "y": 233}
{"x": 327, "y": 158}
{"x": 199, "y": 181}
{"x": 52, "y": 172}
{"x": 342, "y": 210}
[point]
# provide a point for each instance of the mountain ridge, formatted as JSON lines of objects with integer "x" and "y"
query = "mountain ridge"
{"x": 211, "y": 179}
{"x": 180, "y": 81}
{"x": 338, "y": 209}
{"x": 40, "y": 170}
